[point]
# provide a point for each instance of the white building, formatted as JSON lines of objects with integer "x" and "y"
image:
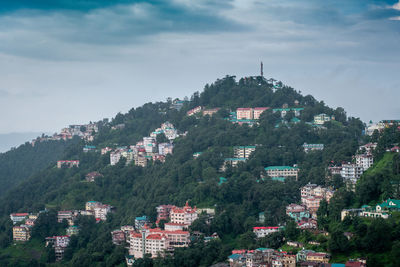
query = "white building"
{"x": 364, "y": 160}
{"x": 351, "y": 172}
{"x": 185, "y": 215}
{"x": 265, "y": 230}
{"x": 320, "y": 119}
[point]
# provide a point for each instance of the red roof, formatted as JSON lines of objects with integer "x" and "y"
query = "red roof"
{"x": 134, "y": 234}
{"x": 20, "y": 214}
{"x": 261, "y": 108}
{"x": 155, "y": 236}
{"x": 265, "y": 227}
{"x": 243, "y": 108}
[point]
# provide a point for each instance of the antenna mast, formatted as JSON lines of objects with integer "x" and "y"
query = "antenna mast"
{"x": 262, "y": 69}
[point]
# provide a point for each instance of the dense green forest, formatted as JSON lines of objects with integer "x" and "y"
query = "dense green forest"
{"x": 20, "y": 163}
{"x": 135, "y": 191}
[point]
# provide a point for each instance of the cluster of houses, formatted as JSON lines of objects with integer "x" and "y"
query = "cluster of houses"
{"x": 380, "y": 126}
{"x": 382, "y": 210}
{"x": 146, "y": 149}
{"x": 276, "y": 258}
{"x": 84, "y": 131}
{"x": 142, "y": 239}
{"x": 22, "y": 225}
{"x": 305, "y": 214}
{"x": 351, "y": 172}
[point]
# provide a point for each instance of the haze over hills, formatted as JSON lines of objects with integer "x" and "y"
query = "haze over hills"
{"x": 10, "y": 140}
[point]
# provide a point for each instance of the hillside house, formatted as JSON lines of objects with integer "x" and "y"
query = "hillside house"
{"x": 67, "y": 163}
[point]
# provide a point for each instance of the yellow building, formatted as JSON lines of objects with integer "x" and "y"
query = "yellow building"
{"x": 21, "y": 233}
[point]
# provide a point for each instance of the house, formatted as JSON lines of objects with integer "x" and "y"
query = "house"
{"x": 21, "y": 233}
{"x": 302, "y": 255}
{"x": 210, "y": 111}
{"x": 194, "y": 111}
{"x": 297, "y": 212}
{"x": 258, "y": 111}
{"x": 67, "y": 163}
{"x": 72, "y": 230}
{"x": 282, "y": 171}
{"x": 318, "y": 257}
{"x": 356, "y": 263}
{"x": 312, "y": 147}
{"x": 140, "y": 222}
{"x": 18, "y": 217}
{"x": 389, "y": 205}
{"x": 106, "y": 150}
{"x": 237, "y": 260}
{"x": 118, "y": 237}
{"x": 165, "y": 148}
{"x": 231, "y": 162}
{"x": 91, "y": 176}
{"x": 67, "y": 215}
{"x": 140, "y": 160}
{"x": 197, "y": 154}
{"x": 294, "y": 244}
{"x": 244, "y": 113}
{"x": 351, "y": 172}
{"x": 101, "y": 211}
{"x": 307, "y": 223}
{"x": 285, "y": 110}
{"x": 368, "y": 148}
{"x": 364, "y": 160}
{"x": 186, "y": 215}
{"x": 60, "y": 243}
{"x": 243, "y": 151}
{"x": 266, "y": 230}
{"x": 163, "y": 212}
{"x": 320, "y": 119}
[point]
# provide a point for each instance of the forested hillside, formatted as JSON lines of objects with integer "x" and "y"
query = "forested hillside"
{"x": 20, "y": 163}
{"x": 135, "y": 191}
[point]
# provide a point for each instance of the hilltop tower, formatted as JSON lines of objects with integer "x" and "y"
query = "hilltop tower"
{"x": 262, "y": 69}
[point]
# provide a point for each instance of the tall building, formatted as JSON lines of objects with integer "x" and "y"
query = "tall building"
{"x": 185, "y": 215}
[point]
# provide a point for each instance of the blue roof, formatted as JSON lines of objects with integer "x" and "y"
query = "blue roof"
{"x": 235, "y": 256}
{"x": 143, "y": 218}
{"x": 338, "y": 265}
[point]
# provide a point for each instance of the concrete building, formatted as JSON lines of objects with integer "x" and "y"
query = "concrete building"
{"x": 282, "y": 171}
{"x": 21, "y": 233}
{"x": 312, "y": 147}
{"x": 351, "y": 172}
{"x": 194, "y": 111}
{"x": 91, "y": 176}
{"x": 244, "y": 113}
{"x": 18, "y": 217}
{"x": 210, "y": 111}
{"x": 243, "y": 151}
{"x": 320, "y": 119}
{"x": 163, "y": 212}
{"x": 364, "y": 160}
{"x": 266, "y": 230}
{"x": 67, "y": 163}
{"x": 185, "y": 215}
{"x": 140, "y": 222}
{"x": 258, "y": 111}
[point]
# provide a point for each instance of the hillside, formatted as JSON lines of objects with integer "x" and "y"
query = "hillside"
{"x": 19, "y": 164}
{"x": 135, "y": 190}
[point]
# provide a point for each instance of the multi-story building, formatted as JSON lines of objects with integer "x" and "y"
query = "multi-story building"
{"x": 243, "y": 151}
{"x": 185, "y": 215}
{"x": 115, "y": 157}
{"x": 312, "y": 204}
{"x": 101, "y": 211}
{"x": 364, "y": 160}
{"x": 232, "y": 162}
{"x": 258, "y": 111}
{"x": 284, "y": 111}
{"x": 266, "y": 230}
{"x": 72, "y": 230}
{"x": 67, "y": 215}
{"x": 368, "y": 148}
{"x": 60, "y": 243}
{"x": 194, "y": 111}
{"x": 320, "y": 119}
{"x": 165, "y": 148}
{"x": 311, "y": 147}
{"x": 176, "y": 238}
{"x": 143, "y": 243}
{"x": 163, "y": 212}
{"x": 174, "y": 227}
{"x": 297, "y": 212}
{"x": 118, "y": 237}
{"x": 106, "y": 150}
{"x": 282, "y": 171}
{"x": 140, "y": 222}
{"x": 67, "y": 163}
{"x": 21, "y": 233}
{"x": 18, "y": 217}
{"x": 318, "y": 257}
{"x": 90, "y": 205}
{"x": 244, "y": 113}
{"x": 351, "y": 172}
{"x": 141, "y": 160}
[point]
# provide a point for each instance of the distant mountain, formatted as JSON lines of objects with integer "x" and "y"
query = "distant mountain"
{"x": 9, "y": 140}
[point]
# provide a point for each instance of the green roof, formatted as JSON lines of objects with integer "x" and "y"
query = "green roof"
{"x": 391, "y": 203}
{"x": 222, "y": 180}
{"x": 280, "y": 179}
{"x": 281, "y": 168}
{"x": 244, "y": 147}
{"x": 235, "y": 159}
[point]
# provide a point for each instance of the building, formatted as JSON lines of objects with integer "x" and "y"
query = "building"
{"x": 141, "y": 160}
{"x": 18, "y": 217}
{"x": 21, "y": 233}
{"x": 284, "y": 111}
{"x": 364, "y": 160}
{"x": 210, "y": 111}
{"x": 318, "y": 257}
{"x": 244, "y": 113}
{"x": 145, "y": 243}
{"x": 282, "y": 171}
{"x": 140, "y": 222}
{"x": 320, "y": 119}
{"x": 60, "y": 243}
{"x": 351, "y": 172}
{"x": 312, "y": 147}
{"x": 243, "y": 151}
{"x": 389, "y": 205}
{"x": 368, "y": 148}
{"x": 297, "y": 212}
{"x": 91, "y": 176}
{"x": 72, "y": 230}
{"x": 266, "y": 230}
{"x": 231, "y": 162}
{"x": 118, "y": 237}
{"x": 174, "y": 227}
{"x": 101, "y": 211}
{"x": 106, "y": 150}
{"x": 163, "y": 212}
{"x": 258, "y": 111}
{"x": 186, "y": 215}
{"x": 67, "y": 215}
{"x": 88, "y": 148}
{"x": 194, "y": 111}
{"x": 67, "y": 163}
{"x": 165, "y": 148}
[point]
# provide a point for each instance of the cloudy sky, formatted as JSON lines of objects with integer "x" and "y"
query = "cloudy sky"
{"x": 65, "y": 62}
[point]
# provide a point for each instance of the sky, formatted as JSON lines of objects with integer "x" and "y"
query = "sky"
{"x": 68, "y": 62}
